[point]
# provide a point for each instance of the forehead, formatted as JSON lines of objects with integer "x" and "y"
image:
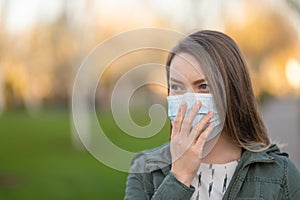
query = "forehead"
{"x": 185, "y": 66}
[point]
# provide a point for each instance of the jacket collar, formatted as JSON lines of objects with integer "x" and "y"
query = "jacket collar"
{"x": 249, "y": 157}
{"x": 160, "y": 158}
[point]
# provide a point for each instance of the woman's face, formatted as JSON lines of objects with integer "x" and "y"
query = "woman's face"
{"x": 186, "y": 75}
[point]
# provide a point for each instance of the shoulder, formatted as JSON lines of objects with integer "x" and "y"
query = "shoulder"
{"x": 282, "y": 160}
{"x": 151, "y": 160}
{"x": 268, "y": 174}
{"x": 272, "y": 154}
{"x": 268, "y": 164}
{"x": 279, "y": 167}
{"x": 291, "y": 176}
{"x": 291, "y": 179}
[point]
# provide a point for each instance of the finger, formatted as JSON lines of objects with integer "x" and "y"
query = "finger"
{"x": 188, "y": 119}
{"x": 176, "y": 124}
{"x": 184, "y": 107}
{"x": 200, "y": 126}
{"x": 203, "y": 136}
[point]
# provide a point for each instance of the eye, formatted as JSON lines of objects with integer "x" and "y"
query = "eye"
{"x": 204, "y": 88}
{"x": 175, "y": 87}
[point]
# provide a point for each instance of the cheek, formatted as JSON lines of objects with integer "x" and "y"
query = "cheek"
{"x": 173, "y": 93}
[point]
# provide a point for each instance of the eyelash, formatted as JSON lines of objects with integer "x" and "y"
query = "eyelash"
{"x": 203, "y": 88}
{"x": 173, "y": 85}
{"x": 206, "y": 85}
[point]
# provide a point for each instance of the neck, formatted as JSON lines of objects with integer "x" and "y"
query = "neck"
{"x": 221, "y": 150}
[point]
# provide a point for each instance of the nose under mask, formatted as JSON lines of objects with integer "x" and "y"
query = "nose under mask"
{"x": 208, "y": 104}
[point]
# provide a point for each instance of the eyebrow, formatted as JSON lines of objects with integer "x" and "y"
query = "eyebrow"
{"x": 194, "y": 83}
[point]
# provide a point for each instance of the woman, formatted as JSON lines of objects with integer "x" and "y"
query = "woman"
{"x": 219, "y": 145}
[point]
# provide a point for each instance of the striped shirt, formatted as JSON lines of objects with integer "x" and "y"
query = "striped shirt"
{"x": 212, "y": 180}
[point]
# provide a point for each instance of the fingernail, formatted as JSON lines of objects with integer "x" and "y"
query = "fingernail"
{"x": 183, "y": 103}
{"x": 210, "y": 113}
{"x": 198, "y": 104}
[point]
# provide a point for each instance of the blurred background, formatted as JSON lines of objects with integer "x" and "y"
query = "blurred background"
{"x": 43, "y": 43}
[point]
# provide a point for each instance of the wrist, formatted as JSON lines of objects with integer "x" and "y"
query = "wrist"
{"x": 185, "y": 179}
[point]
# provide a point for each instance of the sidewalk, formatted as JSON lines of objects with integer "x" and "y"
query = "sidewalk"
{"x": 282, "y": 117}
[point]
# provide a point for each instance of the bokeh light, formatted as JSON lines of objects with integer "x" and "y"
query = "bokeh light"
{"x": 292, "y": 71}
{"x": 43, "y": 43}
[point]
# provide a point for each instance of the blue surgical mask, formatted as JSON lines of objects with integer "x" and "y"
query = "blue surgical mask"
{"x": 208, "y": 104}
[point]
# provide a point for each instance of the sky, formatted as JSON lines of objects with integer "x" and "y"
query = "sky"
{"x": 23, "y": 14}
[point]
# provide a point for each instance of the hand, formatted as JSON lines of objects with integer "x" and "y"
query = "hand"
{"x": 187, "y": 144}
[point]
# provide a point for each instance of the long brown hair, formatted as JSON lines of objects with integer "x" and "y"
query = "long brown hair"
{"x": 243, "y": 121}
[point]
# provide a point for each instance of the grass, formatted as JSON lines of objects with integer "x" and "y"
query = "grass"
{"x": 38, "y": 160}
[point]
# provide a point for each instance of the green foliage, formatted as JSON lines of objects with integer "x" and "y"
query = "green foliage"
{"x": 38, "y": 160}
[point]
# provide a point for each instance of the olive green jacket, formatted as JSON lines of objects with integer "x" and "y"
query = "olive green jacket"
{"x": 265, "y": 175}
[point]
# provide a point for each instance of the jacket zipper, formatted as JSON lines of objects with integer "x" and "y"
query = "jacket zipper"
{"x": 240, "y": 171}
